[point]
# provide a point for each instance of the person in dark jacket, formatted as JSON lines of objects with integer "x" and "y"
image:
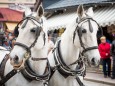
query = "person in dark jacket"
{"x": 112, "y": 52}
{"x": 104, "y": 49}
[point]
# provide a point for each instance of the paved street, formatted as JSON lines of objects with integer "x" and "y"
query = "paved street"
{"x": 99, "y": 78}
{"x": 89, "y": 83}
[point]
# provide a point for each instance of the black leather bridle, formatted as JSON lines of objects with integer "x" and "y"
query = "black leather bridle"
{"x": 79, "y": 31}
{"x": 38, "y": 29}
{"x": 27, "y": 72}
{"x": 61, "y": 66}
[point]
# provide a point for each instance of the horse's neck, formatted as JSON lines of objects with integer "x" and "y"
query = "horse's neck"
{"x": 39, "y": 66}
{"x": 69, "y": 52}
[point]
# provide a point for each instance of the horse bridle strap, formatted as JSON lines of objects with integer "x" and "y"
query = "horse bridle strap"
{"x": 89, "y": 48}
{"x": 24, "y": 46}
{"x": 37, "y": 35}
{"x": 38, "y": 59}
{"x": 90, "y": 28}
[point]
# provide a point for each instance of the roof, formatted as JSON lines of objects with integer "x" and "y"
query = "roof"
{"x": 104, "y": 16}
{"x": 56, "y": 4}
{"x": 10, "y": 15}
{"x": 47, "y": 3}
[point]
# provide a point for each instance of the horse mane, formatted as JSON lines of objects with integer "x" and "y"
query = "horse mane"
{"x": 70, "y": 28}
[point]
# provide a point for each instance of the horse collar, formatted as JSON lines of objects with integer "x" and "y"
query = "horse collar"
{"x": 30, "y": 75}
{"x": 62, "y": 67}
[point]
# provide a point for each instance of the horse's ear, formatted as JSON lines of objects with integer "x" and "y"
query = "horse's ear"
{"x": 90, "y": 12}
{"x": 80, "y": 11}
{"x": 40, "y": 11}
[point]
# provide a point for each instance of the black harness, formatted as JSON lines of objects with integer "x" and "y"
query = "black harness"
{"x": 61, "y": 66}
{"x": 27, "y": 72}
{"x": 38, "y": 30}
{"x": 79, "y": 31}
{"x": 30, "y": 75}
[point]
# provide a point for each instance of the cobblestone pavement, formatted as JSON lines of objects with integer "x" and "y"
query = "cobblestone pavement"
{"x": 89, "y": 83}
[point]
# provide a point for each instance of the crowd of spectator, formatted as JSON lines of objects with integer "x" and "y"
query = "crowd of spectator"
{"x": 7, "y": 40}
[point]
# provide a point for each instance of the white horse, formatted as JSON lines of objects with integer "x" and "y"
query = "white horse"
{"x": 3, "y": 52}
{"x": 31, "y": 32}
{"x": 77, "y": 36}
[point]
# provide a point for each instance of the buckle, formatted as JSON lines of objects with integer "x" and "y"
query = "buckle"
{"x": 26, "y": 55}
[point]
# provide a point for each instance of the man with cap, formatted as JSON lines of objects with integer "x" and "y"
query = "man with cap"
{"x": 104, "y": 49}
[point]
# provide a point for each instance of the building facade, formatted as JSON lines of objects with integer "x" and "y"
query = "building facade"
{"x": 60, "y": 11}
{"x": 15, "y": 4}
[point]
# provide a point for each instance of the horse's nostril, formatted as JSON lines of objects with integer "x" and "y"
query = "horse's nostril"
{"x": 93, "y": 60}
{"x": 16, "y": 58}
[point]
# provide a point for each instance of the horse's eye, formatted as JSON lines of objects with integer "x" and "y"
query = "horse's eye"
{"x": 33, "y": 30}
{"x": 84, "y": 31}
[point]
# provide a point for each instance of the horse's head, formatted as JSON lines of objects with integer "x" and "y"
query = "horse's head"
{"x": 86, "y": 33}
{"x": 31, "y": 36}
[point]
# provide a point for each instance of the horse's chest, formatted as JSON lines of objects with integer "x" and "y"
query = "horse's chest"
{"x": 19, "y": 80}
{"x": 58, "y": 80}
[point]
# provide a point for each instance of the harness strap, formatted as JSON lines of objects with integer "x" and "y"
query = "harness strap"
{"x": 4, "y": 79}
{"x": 38, "y": 59}
{"x": 30, "y": 75}
{"x": 7, "y": 77}
{"x": 2, "y": 66}
{"x": 79, "y": 81}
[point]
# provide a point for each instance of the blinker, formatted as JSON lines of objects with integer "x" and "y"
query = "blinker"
{"x": 16, "y": 32}
{"x": 33, "y": 30}
{"x": 84, "y": 31}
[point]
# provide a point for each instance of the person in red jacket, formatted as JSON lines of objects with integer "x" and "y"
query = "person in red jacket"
{"x": 104, "y": 49}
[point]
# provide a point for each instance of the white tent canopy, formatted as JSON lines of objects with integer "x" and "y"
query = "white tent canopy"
{"x": 104, "y": 16}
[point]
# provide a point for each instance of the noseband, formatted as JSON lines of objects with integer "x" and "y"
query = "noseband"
{"x": 78, "y": 30}
{"x": 28, "y": 49}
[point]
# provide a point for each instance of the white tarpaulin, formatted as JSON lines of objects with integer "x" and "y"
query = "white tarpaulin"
{"x": 104, "y": 16}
